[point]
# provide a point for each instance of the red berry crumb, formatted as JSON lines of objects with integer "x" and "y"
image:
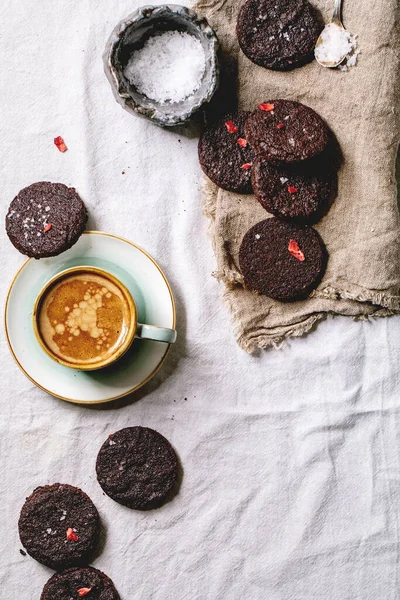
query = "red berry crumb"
{"x": 59, "y": 142}
{"x": 292, "y": 189}
{"x": 84, "y": 591}
{"x": 280, "y": 126}
{"x": 231, "y": 127}
{"x": 295, "y": 251}
{"x": 71, "y": 535}
{"x": 247, "y": 166}
{"x": 266, "y": 106}
{"x": 47, "y": 227}
{"x": 242, "y": 142}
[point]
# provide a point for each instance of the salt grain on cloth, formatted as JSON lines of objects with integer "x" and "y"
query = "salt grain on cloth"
{"x": 169, "y": 67}
{"x": 336, "y": 43}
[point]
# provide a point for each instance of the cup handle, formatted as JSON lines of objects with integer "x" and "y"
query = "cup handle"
{"x": 158, "y": 334}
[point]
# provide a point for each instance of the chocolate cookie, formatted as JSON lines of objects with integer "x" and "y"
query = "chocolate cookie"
{"x": 137, "y": 467}
{"x": 45, "y": 219}
{"x": 284, "y": 131}
{"x": 279, "y": 35}
{"x": 297, "y": 194}
{"x": 79, "y": 583}
{"x": 225, "y": 154}
{"x": 281, "y": 260}
{"x": 59, "y": 526}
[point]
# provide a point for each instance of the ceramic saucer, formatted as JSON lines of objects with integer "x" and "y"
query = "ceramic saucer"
{"x": 154, "y": 301}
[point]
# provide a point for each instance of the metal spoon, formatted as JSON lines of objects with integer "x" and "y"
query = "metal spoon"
{"x": 335, "y": 22}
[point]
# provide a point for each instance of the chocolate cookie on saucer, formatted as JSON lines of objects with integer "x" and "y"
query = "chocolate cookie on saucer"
{"x": 225, "y": 154}
{"x": 278, "y": 34}
{"x": 137, "y": 467}
{"x": 285, "y": 131}
{"x": 45, "y": 219}
{"x": 80, "y": 583}
{"x": 282, "y": 260}
{"x": 59, "y": 526}
{"x": 296, "y": 194}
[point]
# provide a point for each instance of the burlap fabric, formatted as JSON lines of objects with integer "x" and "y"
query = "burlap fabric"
{"x": 361, "y": 230}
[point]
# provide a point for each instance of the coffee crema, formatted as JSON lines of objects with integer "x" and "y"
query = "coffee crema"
{"x": 84, "y": 318}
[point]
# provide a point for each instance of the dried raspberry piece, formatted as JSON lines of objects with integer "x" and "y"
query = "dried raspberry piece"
{"x": 247, "y": 166}
{"x": 242, "y": 142}
{"x": 266, "y": 106}
{"x": 59, "y": 142}
{"x": 292, "y": 189}
{"x": 84, "y": 591}
{"x": 71, "y": 535}
{"x": 231, "y": 127}
{"x": 47, "y": 227}
{"x": 280, "y": 126}
{"x": 295, "y": 251}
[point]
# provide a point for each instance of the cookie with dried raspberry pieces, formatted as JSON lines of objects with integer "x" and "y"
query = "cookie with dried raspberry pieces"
{"x": 225, "y": 154}
{"x": 285, "y": 131}
{"x": 80, "y": 583}
{"x": 45, "y": 219}
{"x": 281, "y": 260}
{"x": 301, "y": 195}
{"x": 59, "y": 526}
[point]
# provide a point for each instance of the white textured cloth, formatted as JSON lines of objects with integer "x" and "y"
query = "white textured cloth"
{"x": 291, "y": 487}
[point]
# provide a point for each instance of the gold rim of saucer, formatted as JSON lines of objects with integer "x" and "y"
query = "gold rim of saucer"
{"x": 101, "y": 364}
{"x": 113, "y": 398}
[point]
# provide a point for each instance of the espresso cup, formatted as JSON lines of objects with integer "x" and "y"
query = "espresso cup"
{"x": 85, "y": 318}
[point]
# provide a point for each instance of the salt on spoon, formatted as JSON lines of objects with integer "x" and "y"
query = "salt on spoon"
{"x": 335, "y": 43}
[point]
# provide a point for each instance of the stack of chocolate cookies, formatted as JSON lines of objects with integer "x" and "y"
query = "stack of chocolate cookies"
{"x": 284, "y": 152}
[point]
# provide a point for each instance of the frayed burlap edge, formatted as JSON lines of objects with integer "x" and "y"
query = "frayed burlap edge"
{"x": 261, "y": 338}
{"x": 389, "y": 304}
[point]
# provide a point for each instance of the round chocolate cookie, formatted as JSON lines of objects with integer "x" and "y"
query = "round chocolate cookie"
{"x": 284, "y": 131}
{"x": 137, "y": 467}
{"x": 59, "y": 526}
{"x": 279, "y": 35}
{"x": 225, "y": 155}
{"x": 79, "y": 583}
{"x": 45, "y": 219}
{"x": 281, "y": 260}
{"x": 297, "y": 194}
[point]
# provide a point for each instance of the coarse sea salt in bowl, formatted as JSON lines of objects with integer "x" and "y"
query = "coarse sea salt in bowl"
{"x": 162, "y": 63}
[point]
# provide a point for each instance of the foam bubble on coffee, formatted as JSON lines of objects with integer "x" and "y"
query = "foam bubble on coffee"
{"x": 83, "y": 318}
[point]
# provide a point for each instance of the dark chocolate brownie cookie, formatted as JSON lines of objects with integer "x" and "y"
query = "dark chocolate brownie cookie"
{"x": 137, "y": 467}
{"x": 225, "y": 155}
{"x": 295, "y": 193}
{"x": 281, "y": 260}
{"x": 45, "y": 219}
{"x": 59, "y": 526}
{"x": 278, "y": 34}
{"x": 284, "y": 131}
{"x": 80, "y": 583}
